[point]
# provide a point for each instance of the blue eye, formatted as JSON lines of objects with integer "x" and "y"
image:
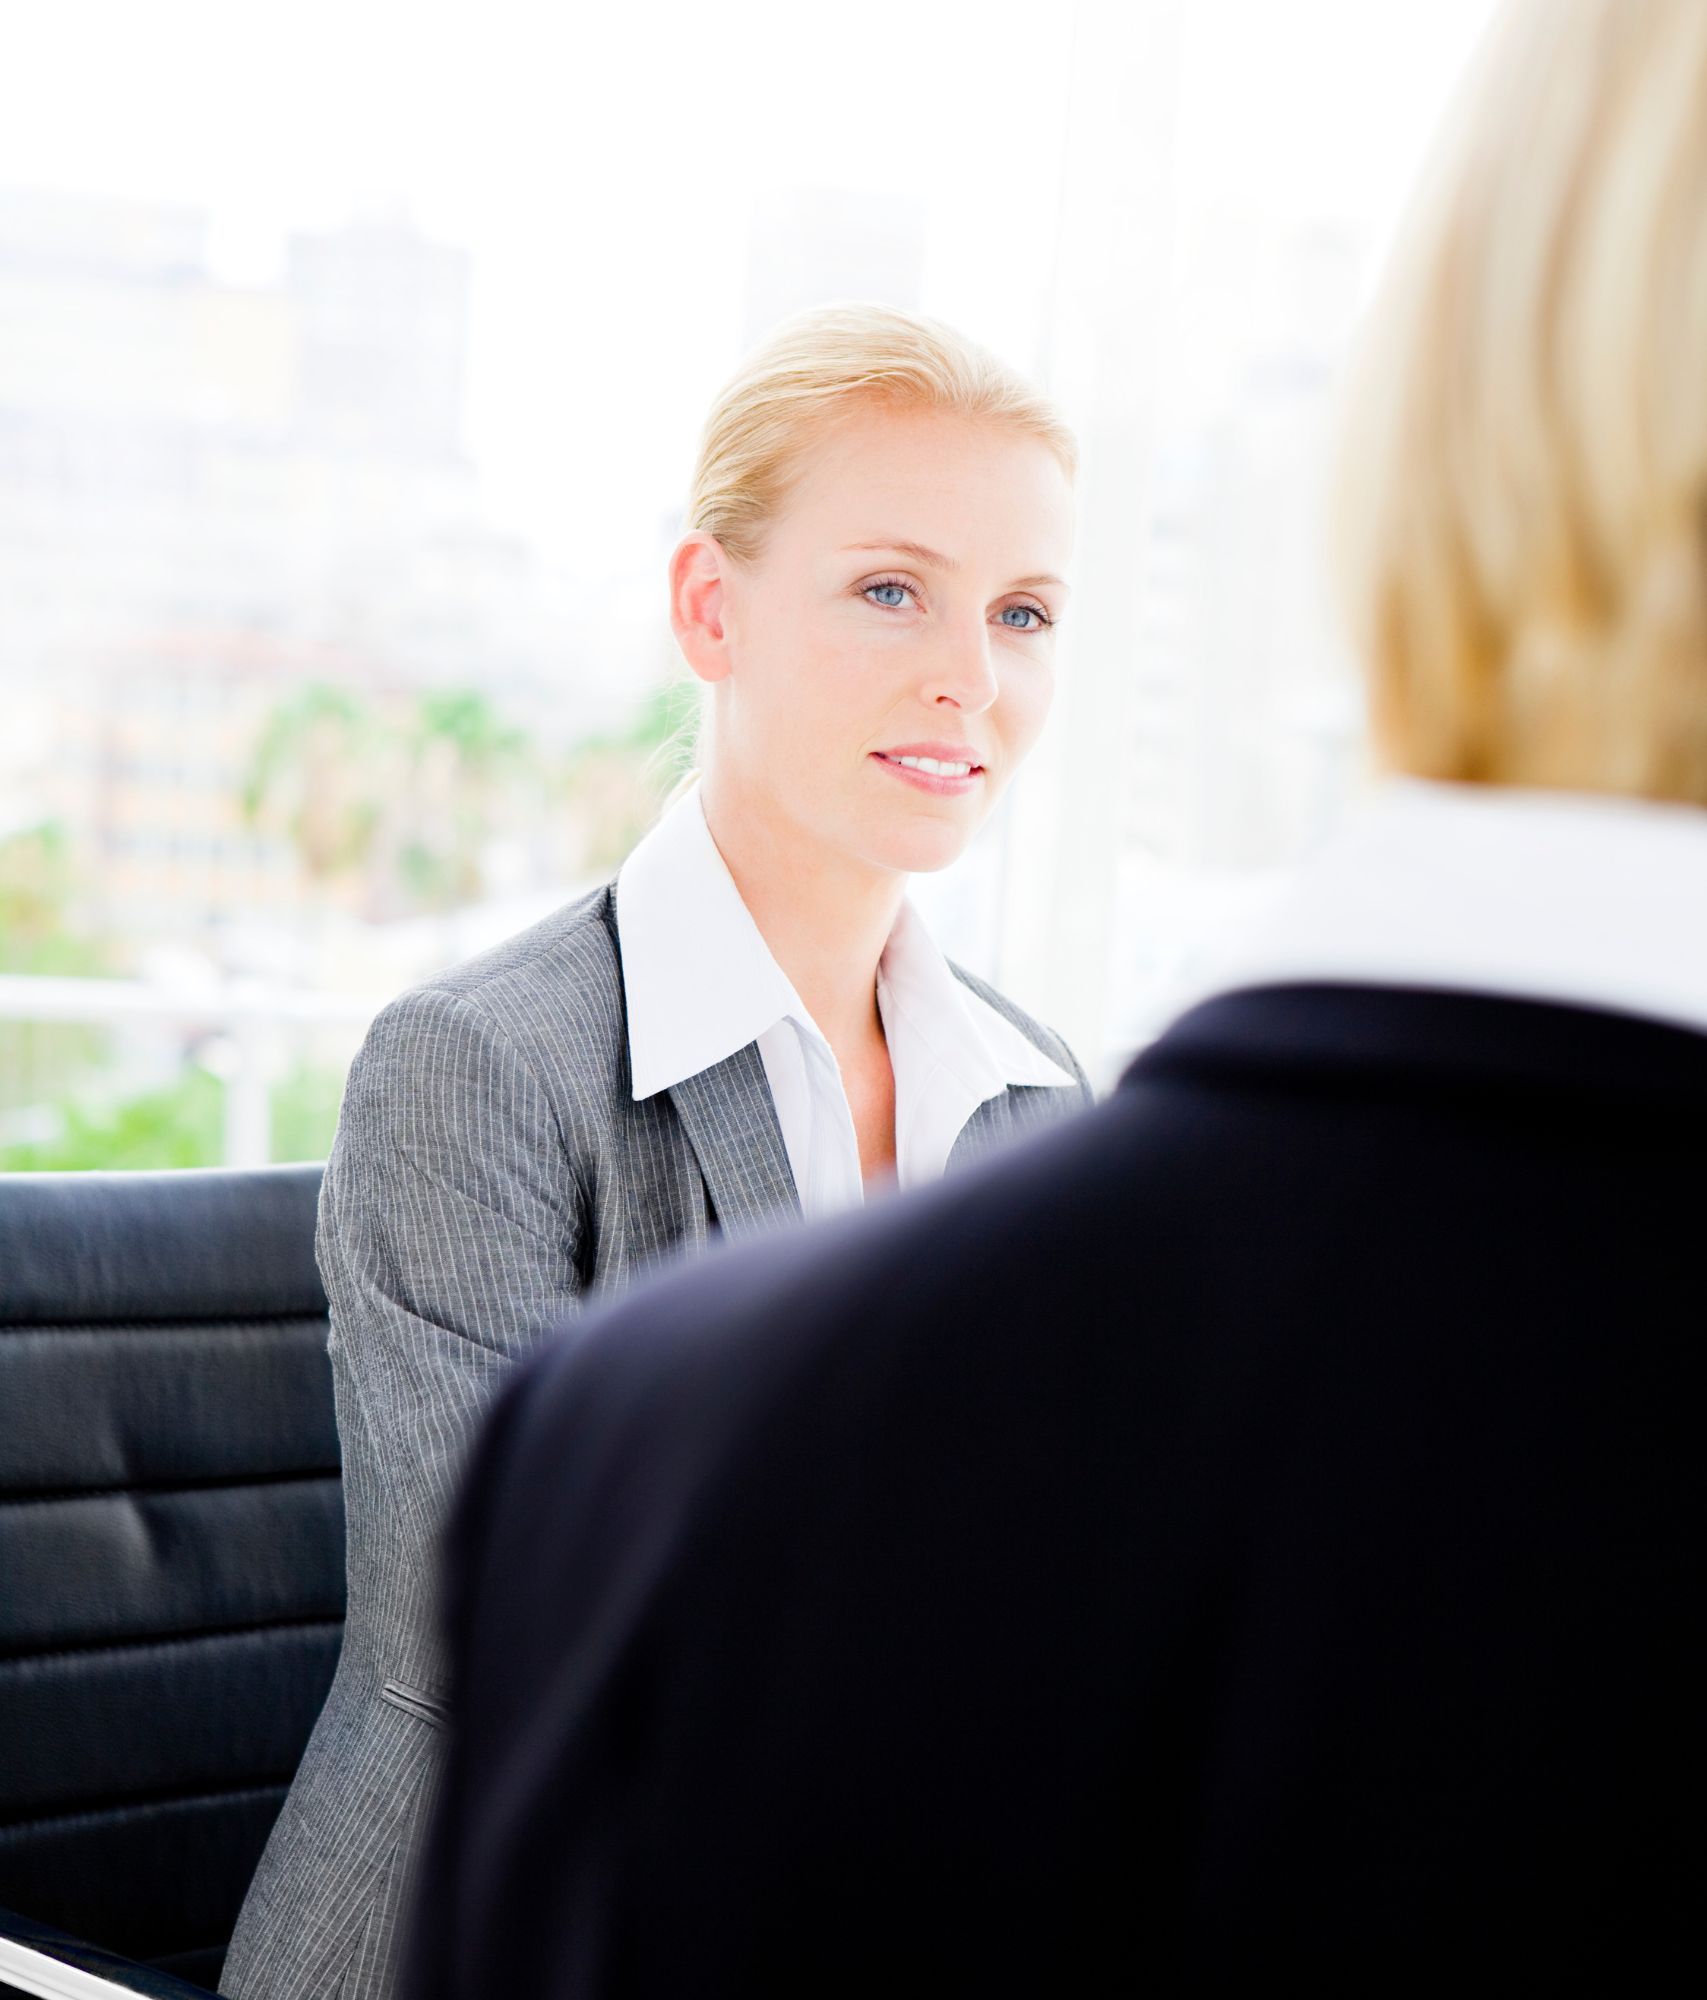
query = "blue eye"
{"x": 890, "y": 595}
{"x": 1013, "y": 612}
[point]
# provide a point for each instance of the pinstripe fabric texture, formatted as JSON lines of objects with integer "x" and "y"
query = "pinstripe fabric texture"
{"x": 491, "y": 1173}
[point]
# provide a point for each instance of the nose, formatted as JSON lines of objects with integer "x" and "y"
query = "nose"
{"x": 961, "y": 674}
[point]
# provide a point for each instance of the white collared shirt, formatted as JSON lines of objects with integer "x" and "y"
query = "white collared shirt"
{"x": 700, "y": 984}
{"x": 1562, "y": 896}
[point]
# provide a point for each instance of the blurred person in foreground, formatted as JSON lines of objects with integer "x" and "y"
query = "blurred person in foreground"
{"x": 750, "y": 1026}
{"x": 1256, "y": 1530}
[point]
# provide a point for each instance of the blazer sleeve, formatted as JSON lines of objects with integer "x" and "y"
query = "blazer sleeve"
{"x": 451, "y": 1224}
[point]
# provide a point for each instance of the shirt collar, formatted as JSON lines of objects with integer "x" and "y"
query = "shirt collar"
{"x": 1567, "y": 897}
{"x": 698, "y": 978}
{"x": 700, "y": 982}
{"x": 960, "y": 1028}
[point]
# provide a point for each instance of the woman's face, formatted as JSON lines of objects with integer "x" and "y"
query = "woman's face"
{"x": 901, "y": 616}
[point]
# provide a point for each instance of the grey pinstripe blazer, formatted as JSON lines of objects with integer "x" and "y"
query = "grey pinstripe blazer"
{"x": 490, "y": 1170}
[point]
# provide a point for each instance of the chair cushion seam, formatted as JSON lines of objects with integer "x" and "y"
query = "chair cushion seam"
{"x": 135, "y": 1807}
{"x": 219, "y": 1482}
{"x": 184, "y": 1322}
{"x": 157, "y": 1640}
{"x": 214, "y": 1483}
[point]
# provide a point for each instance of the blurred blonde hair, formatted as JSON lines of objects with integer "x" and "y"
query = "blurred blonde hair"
{"x": 1523, "y": 477}
{"x": 822, "y": 366}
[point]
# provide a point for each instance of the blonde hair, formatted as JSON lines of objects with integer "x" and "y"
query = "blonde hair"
{"x": 1523, "y": 492}
{"x": 818, "y": 368}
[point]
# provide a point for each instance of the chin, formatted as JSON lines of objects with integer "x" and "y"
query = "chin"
{"x": 921, "y": 848}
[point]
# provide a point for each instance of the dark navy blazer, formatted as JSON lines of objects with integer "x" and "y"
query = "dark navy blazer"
{"x": 1252, "y": 1531}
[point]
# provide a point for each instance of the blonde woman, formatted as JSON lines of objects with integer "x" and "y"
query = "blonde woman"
{"x": 750, "y": 1024}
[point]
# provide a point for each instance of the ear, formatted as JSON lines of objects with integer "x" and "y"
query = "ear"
{"x": 698, "y": 578}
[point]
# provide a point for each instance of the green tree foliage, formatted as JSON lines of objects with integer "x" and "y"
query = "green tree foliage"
{"x": 182, "y": 1124}
{"x": 39, "y": 936}
{"x": 37, "y": 899}
{"x": 305, "y": 1113}
{"x": 616, "y": 782}
{"x": 314, "y": 768}
{"x": 464, "y": 761}
{"x": 400, "y": 795}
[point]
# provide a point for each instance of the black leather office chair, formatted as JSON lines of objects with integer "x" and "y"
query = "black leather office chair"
{"x": 171, "y": 1554}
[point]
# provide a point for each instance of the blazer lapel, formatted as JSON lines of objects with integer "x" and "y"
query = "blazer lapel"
{"x": 989, "y": 1127}
{"x": 730, "y": 1119}
{"x": 1019, "y": 1109}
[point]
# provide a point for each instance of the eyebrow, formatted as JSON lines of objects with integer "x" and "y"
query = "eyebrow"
{"x": 935, "y": 559}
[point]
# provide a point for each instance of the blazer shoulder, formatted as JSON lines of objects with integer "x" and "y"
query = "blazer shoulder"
{"x": 1046, "y": 1039}
{"x": 552, "y": 993}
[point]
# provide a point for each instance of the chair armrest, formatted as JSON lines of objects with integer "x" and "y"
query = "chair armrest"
{"x": 45, "y": 1963}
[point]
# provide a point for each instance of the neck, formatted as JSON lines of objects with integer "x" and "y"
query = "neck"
{"x": 825, "y": 916}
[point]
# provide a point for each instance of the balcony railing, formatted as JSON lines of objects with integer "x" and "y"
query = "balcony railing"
{"x": 251, "y": 1013}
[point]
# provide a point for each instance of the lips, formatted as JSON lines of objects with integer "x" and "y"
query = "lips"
{"x": 933, "y": 757}
{"x": 947, "y": 770}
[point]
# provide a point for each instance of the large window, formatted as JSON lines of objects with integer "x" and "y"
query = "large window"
{"x": 351, "y": 362}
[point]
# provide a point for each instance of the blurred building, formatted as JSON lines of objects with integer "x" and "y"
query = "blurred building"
{"x": 213, "y": 497}
{"x": 1247, "y": 736}
{"x": 381, "y": 317}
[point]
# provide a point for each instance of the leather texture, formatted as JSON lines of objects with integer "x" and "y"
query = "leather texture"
{"x": 171, "y": 1545}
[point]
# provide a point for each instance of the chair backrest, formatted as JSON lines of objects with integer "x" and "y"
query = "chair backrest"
{"x": 171, "y": 1544}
